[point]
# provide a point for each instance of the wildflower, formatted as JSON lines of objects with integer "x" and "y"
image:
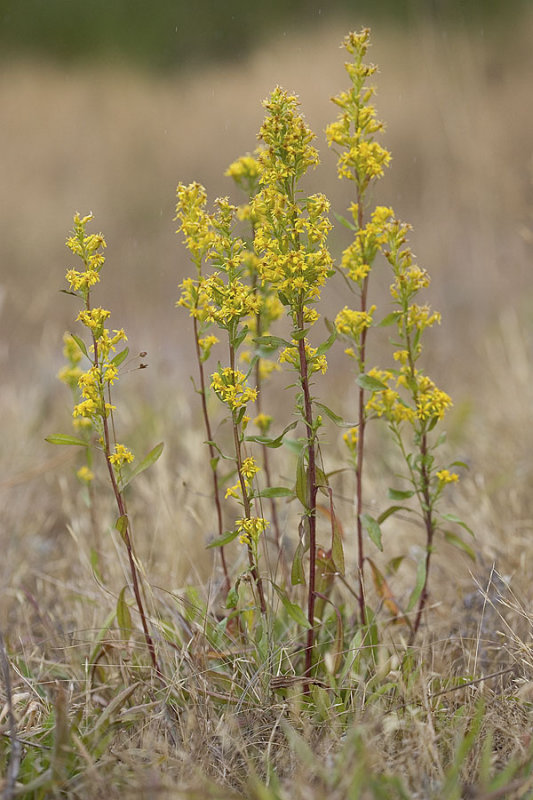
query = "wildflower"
{"x": 263, "y": 422}
{"x": 350, "y": 440}
{"x": 121, "y": 456}
{"x": 444, "y": 476}
{"x": 230, "y": 386}
{"x": 250, "y": 528}
{"x": 85, "y": 475}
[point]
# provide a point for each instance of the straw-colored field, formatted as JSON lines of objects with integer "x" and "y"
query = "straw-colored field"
{"x": 459, "y": 124}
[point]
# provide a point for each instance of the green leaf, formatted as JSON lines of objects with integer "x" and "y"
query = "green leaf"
{"x": 122, "y": 525}
{"x": 344, "y": 221}
{"x": 294, "y": 611}
{"x": 239, "y": 339}
{"x": 419, "y": 585}
{"x": 81, "y": 344}
{"x": 301, "y": 480}
{"x": 389, "y": 511}
{"x": 456, "y": 541}
{"x": 370, "y": 384}
{"x": 233, "y": 597}
{"x": 390, "y": 319}
{"x": 65, "y": 438}
{"x": 299, "y": 333}
{"x": 458, "y": 521}
{"x": 329, "y": 413}
{"x": 337, "y": 549}
{"x": 396, "y": 494}
{"x": 123, "y": 614}
{"x": 275, "y": 491}
{"x": 271, "y": 342}
{"x": 267, "y": 441}
{"x": 120, "y": 357}
{"x": 297, "y": 570}
{"x": 325, "y": 346}
{"x": 371, "y": 526}
{"x": 226, "y": 538}
{"x": 147, "y": 461}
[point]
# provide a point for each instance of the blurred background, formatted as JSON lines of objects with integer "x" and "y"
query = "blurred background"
{"x": 105, "y": 107}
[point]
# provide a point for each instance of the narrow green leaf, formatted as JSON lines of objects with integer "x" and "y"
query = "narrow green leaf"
{"x": 459, "y": 521}
{"x": 301, "y": 480}
{"x": 419, "y": 585}
{"x": 214, "y": 462}
{"x": 267, "y": 441}
{"x": 329, "y": 413}
{"x": 337, "y": 549}
{"x": 123, "y": 614}
{"x": 390, "y": 319}
{"x": 344, "y": 221}
{"x": 456, "y": 541}
{"x": 370, "y": 384}
{"x": 122, "y": 525}
{"x": 299, "y": 334}
{"x": 226, "y": 538}
{"x": 389, "y": 511}
{"x": 371, "y": 526}
{"x": 233, "y": 597}
{"x": 147, "y": 461}
{"x": 294, "y": 611}
{"x": 325, "y": 346}
{"x": 65, "y": 438}
{"x": 272, "y": 342}
{"x": 396, "y": 494}
{"x": 275, "y": 491}
{"x": 120, "y": 357}
{"x": 297, "y": 570}
{"x": 81, "y": 344}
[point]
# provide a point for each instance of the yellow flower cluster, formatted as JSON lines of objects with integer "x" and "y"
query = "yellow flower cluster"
{"x": 94, "y": 383}
{"x": 229, "y": 301}
{"x": 245, "y": 172}
{"x": 444, "y": 476}
{"x": 121, "y": 456}
{"x": 360, "y": 254}
{"x": 231, "y": 388}
{"x": 250, "y": 529}
{"x": 194, "y": 222}
{"x": 290, "y": 235}
{"x": 352, "y": 323}
{"x": 350, "y": 440}
{"x": 88, "y": 248}
{"x": 430, "y": 402}
{"x": 362, "y": 159}
{"x": 71, "y": 372}
{"x": 195, "y": 298}
{"x": 315, "y": 362}
{"x": 288, "y": 153}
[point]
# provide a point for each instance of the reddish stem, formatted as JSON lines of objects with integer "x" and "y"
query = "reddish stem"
{"x": 212, "y": 454}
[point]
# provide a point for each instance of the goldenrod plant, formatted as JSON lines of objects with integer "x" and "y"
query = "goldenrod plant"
{"x": 93, "y": 412}
{"x": 255, "y": 302}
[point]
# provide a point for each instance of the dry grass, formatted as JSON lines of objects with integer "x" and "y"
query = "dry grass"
{"x": 459, "y": 123}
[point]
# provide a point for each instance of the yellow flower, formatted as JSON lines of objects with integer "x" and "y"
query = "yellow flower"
{"x": 85, "y": 475}
{"x": 122, "y": 455}
{"x": 250, "y": 528}
{"x": 445, "y": 476}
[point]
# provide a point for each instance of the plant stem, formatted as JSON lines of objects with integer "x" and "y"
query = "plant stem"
{"x": 212, "y": 453}
{"x": 127, "y": 536}
{"x": 266, "y": 458}
{"x": 312, "y": 490}
{"x": 430, "y": 533}
{"x": 246, "y": 500}
{"x": 361, "y": 440}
